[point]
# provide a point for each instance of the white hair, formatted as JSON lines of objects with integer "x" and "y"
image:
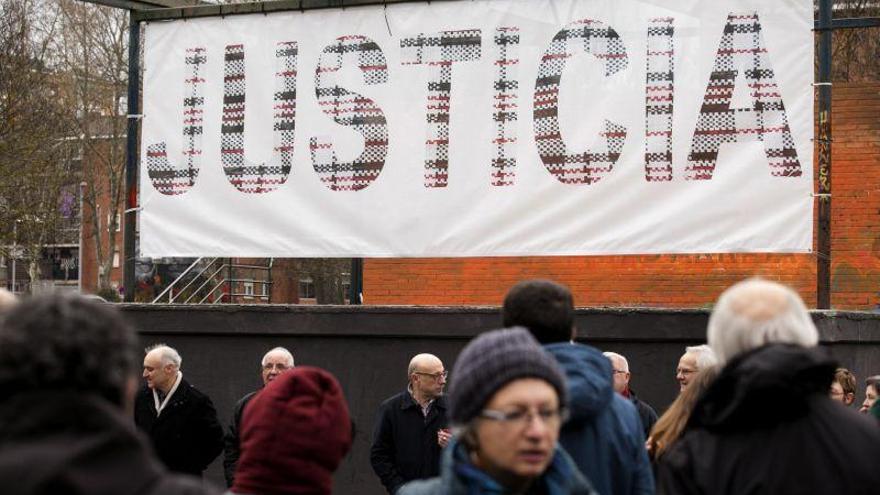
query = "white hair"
{"x": 167, "y": 354}
{"x": 287, "y": 355}
{"x": 706, "y": 357}
{"x": 622, "y": 359}
{"x": 756, "y": 312}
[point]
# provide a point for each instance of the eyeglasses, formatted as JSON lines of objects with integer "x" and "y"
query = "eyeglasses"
{"x": 684, "y": 371}
{"x": 615, "y": 372}
{"x": 436, "y": 376}
{"x": 521, "y": 418}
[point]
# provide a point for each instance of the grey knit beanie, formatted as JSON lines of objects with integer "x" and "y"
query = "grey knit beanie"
{"x": 491, "y": 361}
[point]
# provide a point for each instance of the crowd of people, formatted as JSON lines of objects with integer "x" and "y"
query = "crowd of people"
{"x": 762, "y": 409}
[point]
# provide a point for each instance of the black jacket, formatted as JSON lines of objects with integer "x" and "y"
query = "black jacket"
{"x": 646, "y": 413}
{"x": 405, "y": 442}
{"x": 187, "y": 435}
{"x": 767, "y": 426}
{"x": 73, "y": 443}
{"x": 232, "y": 440}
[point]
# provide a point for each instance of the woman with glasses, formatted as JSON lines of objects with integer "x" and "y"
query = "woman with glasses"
{"x": 506, "y": 404}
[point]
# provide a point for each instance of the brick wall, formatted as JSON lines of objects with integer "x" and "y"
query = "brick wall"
{"x": 683, "y": 280}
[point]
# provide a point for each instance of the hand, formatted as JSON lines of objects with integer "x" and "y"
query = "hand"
{"x": 443, "y": 437}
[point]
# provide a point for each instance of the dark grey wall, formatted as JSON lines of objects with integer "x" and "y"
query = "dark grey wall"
{"x": 368, "y": 349}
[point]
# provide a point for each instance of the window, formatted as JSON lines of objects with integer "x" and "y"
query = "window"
{"x": 116, "y": 260}
{"x": 248, "y": 288}
{"x": 264, "y": 289}
{"x": 306, "y": 288}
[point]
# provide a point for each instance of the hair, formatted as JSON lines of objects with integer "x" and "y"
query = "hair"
{"x": 167, "y": 354}
{"x": 544, "y": 307}
{"x": 610, "y": 355}
{"x": 706, "y": 357}
{"x": 756, "y": 312}
{"x": 671, "y": 424}
{"x": 846, "y": 380}
{"x": 66, "y": 343}
{"x": 873, "y": 381}
{"x": 282, "y": 350}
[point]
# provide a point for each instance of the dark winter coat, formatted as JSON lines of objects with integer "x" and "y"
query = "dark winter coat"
{"x": 647, "y": 414}
{"x": 232, "y": 440}
{"x": 405, "y": 442}
{"x": 767, "y": 426}
{"x": 74, "y": 443}
{"x": 458, "y": 476}
{"x": 603, "y": 434}
{"x": 187, "y": 435}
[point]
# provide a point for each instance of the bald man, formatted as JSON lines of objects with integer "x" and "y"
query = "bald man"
{"x": 180, "y": 420}
{"x": 274, "y": 362}
{"x": 411, "y": 427}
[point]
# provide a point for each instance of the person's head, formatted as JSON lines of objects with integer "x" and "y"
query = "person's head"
{"x": 843, "y": 387}
{"x": 506, "y": 405}
{"x": 294, "y": 434}
{"x": 671, "y": 424}
{"x": 67, "y": 343}
{"x": 7, "y": 300}
{"x": 275, "y": 362}
{"x": 620, "y": 371}
{"x": 427, "y": 376}
{"x": 545, "y": 308}
{"x": 872, "y": 390}
{"x": 161, "y": 364}
{"x": 756, "y": 312}
{"x": 695, "y": 359}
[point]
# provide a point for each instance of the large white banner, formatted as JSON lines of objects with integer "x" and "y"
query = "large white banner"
{"x": 481, "y": 128}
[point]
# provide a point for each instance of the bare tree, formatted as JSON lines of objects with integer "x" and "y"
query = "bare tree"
{"x": 34, "y": 167}
{"x": 91, "y": 54}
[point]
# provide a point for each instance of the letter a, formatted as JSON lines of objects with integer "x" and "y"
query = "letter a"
{"x": 742, "y": 49}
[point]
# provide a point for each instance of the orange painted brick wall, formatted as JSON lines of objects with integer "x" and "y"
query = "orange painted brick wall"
{"x": 683, "y": 280}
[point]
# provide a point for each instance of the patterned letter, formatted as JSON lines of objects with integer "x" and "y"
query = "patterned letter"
{"x": 246, "y": 176}
{"x": 165, "y": 177}
{"x": 439, "y": 51}
{"x": 659, "y": 90}
{"x": 602, "y": 42}
{"x": 351, "y": 109}
{"x": 506, "y": 104}
{"x": 742, "y": 48}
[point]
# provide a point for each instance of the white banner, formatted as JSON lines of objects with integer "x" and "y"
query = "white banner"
{"x": 481, "y": 128}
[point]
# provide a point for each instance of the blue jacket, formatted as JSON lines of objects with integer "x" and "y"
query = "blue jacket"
{"x": 604, "y": 434}
{"x": 458, "y": 476}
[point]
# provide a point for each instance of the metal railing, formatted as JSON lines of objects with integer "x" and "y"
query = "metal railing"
{"x": 214, "y": 281}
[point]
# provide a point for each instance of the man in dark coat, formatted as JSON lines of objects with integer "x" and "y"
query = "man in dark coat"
{"x": 411, "y": 427}
{"x": 275, "y": 362}
{"x": 603, "y": 434}
{"x": 68, "y": 377}
{"x": 180, "y": 421}
{"x": 766, "y": 425}
{"x": 621, "y": 378}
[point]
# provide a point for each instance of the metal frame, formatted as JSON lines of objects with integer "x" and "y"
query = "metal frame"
{"x": 158, "y": 10}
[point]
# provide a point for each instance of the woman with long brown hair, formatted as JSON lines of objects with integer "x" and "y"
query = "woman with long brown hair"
{"x": 671, "y": 424}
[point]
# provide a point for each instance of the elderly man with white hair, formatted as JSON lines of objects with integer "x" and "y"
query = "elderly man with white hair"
{"x": 180, "y": 420}
{"x": 766, "y": 424}
{"x": 621, "y": 378}
{"x": 695, "y": 359}
{"x": 274, "y": 363}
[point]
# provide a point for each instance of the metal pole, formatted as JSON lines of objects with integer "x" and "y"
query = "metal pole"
{"x": 14, "y": 251}
{"x": 131, "y": 158}
{"x": 79, "y": 268}
{"x": 356, "y": 284}
{"x": 823, "y": 242}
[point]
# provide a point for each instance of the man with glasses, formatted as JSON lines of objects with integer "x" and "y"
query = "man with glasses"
{"x": 411, "y": 427}
{"x": 275, "y": 362}
{"x": 695, "y": 359}
{"x": 620, "y": 377}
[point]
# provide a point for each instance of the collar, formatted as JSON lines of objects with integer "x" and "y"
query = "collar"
{"x": 161, "y": 405}
{"x": 410, "y": 401}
